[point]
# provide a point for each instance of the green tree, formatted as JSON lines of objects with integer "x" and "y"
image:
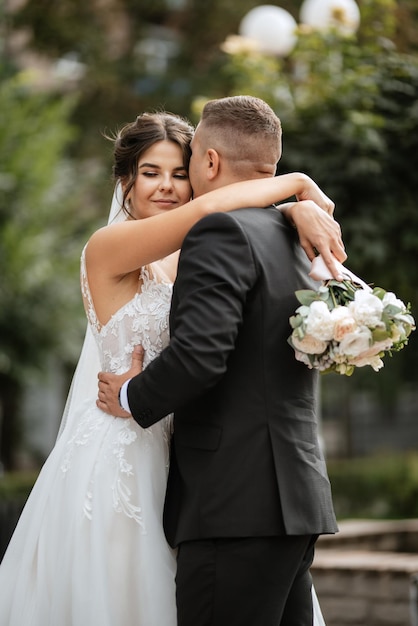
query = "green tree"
{"x": 39, "y": 242}
{"x": 111, "y": 43}
{"x": 357, "y": 111}
{"x": 349, "y": 112}
{"x": 116, "y": 83}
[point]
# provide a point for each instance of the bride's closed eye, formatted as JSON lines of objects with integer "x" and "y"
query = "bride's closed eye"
{"x": 154, "y": 174}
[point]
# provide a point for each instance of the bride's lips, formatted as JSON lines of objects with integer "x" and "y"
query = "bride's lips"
{"x": 165, "y": 204}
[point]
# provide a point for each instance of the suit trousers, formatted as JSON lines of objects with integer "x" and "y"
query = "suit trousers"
{"x": 261, "y": 581}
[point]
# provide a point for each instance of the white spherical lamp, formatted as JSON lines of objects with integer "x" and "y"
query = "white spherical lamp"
{"x": 344, "y": 15}
{"x": 273, "y": 28}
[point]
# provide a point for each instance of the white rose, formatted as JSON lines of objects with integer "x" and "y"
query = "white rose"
{"x": 366, "y": 309}
{"x": 374, "y": 361}
{"x": 344, "y": 327}
{"x": 319, "y": 322}
{"x": 377, "y": 348}
{"x": 344, "y": 322}
{"x": 309, "y": 344}
{"x": 405, "y": 318}
{"x": 353, "y": 344}
{"x": 381, "y": 346}
{"x": 340, "y": 312}
{"x": 390, "y": 298}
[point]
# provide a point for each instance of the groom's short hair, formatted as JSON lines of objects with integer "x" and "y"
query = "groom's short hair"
{"x": 244, "y": 129}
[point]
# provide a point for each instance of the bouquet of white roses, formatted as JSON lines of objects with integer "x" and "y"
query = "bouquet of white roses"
{"x": 347, "y": 324}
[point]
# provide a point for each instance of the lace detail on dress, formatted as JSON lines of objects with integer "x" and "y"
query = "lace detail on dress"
{"x": 85, "y": 291}
{"x": 141, "y": 321}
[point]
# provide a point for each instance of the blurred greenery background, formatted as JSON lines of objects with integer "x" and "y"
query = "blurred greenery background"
{"x": 72, "y": 70}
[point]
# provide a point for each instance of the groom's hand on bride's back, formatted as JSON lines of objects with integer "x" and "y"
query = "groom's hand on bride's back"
{"x": 110, "y": 384}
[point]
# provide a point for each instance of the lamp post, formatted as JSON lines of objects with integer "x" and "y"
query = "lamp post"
{"x": 343, "y": 15}
{"x": 275, "y": 30}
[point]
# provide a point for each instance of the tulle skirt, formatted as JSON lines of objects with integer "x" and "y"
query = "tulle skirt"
{"x": 89, "y": 548}
{"x": 317, "y": 613}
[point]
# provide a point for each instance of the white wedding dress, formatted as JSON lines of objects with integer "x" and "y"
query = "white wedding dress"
{"x": 89, "y": 548}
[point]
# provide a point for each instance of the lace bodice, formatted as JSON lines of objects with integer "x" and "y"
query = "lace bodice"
{"x": 118, "y": 448}
{"x": 141, "y": 321}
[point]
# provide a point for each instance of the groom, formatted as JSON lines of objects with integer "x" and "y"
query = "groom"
{"x": 248, "y": 491}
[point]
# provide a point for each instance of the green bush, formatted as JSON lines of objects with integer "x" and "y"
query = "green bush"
{"x": 378, "y": 487}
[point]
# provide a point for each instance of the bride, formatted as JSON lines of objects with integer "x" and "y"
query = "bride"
{"x": 89, "y": 547}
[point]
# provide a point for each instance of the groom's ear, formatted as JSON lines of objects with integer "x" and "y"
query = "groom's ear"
{"x": 213, "y": 163}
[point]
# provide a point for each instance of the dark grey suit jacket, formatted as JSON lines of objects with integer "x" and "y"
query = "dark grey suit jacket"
{"x": 246, "y": 460}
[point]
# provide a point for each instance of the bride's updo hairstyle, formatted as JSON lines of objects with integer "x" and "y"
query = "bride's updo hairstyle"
{"x": 133, "y": 139}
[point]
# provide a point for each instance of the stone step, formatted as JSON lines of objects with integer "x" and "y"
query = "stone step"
{"x": 368, "y": 586}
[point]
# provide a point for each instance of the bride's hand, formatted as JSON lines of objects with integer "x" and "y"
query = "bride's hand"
{"x": 110, "y": 385}
{"x": 311, "y": 191}
{"x": 315, "y": 193}
{"x": 318, "y": 233}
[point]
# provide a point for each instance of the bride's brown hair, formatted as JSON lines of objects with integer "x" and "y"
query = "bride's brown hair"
{"x": 133, "y": 139}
